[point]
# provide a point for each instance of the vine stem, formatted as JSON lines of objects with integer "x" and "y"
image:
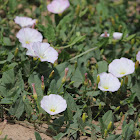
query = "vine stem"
{"x": 35, "y": 67}
{"x": 92, "y": 49}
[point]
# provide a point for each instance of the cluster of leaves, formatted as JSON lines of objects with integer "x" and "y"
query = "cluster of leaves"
{"x": 76, "y": 36}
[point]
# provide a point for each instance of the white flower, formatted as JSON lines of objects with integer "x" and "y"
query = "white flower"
{"x": 116, "y": 35}
{"x": 108, "y": 82}
{"x": 43, "y": 51}
{"x": 58, "y": 6}
{"x": 121, "y": 67}
{"x": 138, "y": 56}
{"x": 104, "y": 35}
{"x": 27, "y": 36}
{"x": 25, "y": 21}
{"x": 53, "y": 104}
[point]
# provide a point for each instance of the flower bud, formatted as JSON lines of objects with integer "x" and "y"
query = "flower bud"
{"x": 90, "y": 84}
{"x": 63, "y": 80}
{"x": 51, "y": 75}
{"x": 61, "y": 93}
{"x": 94, "y": 100}
{"x": 132, "y": 41}
{"x": 120, "y": 28}
{"x": 116, "y": 16}
{"x": 121, "y": 82}
{"x": 16, "y": 52}
{"x": 42, "y": 84}
{"x": 24, "y": 97}
{"x": 85, "y": 106}
{"x": 117, "y": 108}
{"x": 137, "y": 134}
{"x": 136, "y": 64}
{"x": 75, "y": 65}
{"x": 84, "y": 116}
{"x": 98, "y": 79}
{"x": 86, "y": 80}
{"x": 113, "y": 21}
{"x": 126, "y": 80}
{"x": 34, "y": 91}
{"x": 109, "y": 126}
{"x": 105, "y": 133}
{"x": 33, "y": 26}
{"x": 71, "y": 83}
{"x": 65, "y": 76}
{"x": 91, "y": 10}
{"x": 60, "y": 14}
{"x": 88, "y": 64}
{"x": 100, "y": 107}
{"x": 77, "y": 10}
{"x": 121, "y": 114}
{"x": 35, "y": 58}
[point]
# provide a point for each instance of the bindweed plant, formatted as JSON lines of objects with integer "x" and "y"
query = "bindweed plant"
{"x": 73, "y": 65}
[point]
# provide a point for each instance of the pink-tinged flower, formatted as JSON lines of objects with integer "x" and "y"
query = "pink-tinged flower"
{"x": 104, "y": 35}
{"x": 43, "y": 51}
{"x": 138, "y": 56}
{"x": 116, "y": 35}
{"x": 27, "y": 36}
{"x": 53, "y": 104}
{"x": 108, "y": 82}
{"x": 25, "y": 21}
{"x": 58, "y": 6}
{"x": 121, "y": 67}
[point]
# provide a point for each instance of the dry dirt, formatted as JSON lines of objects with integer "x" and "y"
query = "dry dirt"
{"x": 19, "y": 132}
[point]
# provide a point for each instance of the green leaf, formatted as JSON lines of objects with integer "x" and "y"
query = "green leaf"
{"x": 48, "y": 32}
{"x": 114, "y": 137}
{"x": 12, "y": 5}
{"x": 108, "y": 116}
{"x": 36, "y": 78}
{"x": 128, "y": 130}
{"x": 7, "y": 41}
{"x": 102, "y": 9}
{"x": 37, "y": 136}
{"x": 130, "y": 37}
{"x": 136, "y": 89}
{"x": 70, "y": 102}
{"x": 83, "y": 12}
{"x": 78, "y": 78}
{"x": 102, "y": 66}
{"x": 8, "y": 77}
{"x": 57, "y": 124}
{"x": 19, "y": 81}
{"x": 59, "y": 136}
{"x": 6, "y": 101}
{"x": 10, "y": 57}
{"x": 77, "y": 39}
{"x": 17, "y": 109}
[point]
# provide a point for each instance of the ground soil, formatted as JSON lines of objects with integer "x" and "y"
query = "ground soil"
{"x": 20, "y": 132}
{"x": 25, "y": 132}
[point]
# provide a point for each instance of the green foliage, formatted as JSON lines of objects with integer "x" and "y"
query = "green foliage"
{"x": 37, "y": 136}
{"x": 75, "y": 34}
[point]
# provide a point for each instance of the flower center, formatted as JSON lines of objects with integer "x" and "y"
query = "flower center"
{"x": 106, "y": 87}
{"x": 52, "y": 110}
{"x": 41, "y": 57}
{"x": 122, "y": 72}
{"x": 27, "y": 42}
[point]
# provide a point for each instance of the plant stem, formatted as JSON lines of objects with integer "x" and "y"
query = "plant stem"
{"x": 92, "y": 49}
